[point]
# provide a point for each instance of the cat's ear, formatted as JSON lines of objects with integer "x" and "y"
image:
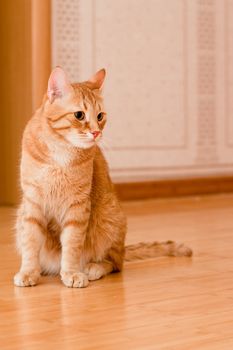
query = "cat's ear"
{"x": 97, "y": 80}
{"x": 58, "y": 84}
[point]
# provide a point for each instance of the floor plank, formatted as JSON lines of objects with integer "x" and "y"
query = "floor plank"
{"x": 163, "y": 303}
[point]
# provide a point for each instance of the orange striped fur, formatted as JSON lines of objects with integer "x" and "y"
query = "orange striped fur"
{"x": 70, "y": 221}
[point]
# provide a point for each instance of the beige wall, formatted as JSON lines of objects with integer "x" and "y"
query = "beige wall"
{"x": 25, "y": 65}
{"x": 169, "y": 80}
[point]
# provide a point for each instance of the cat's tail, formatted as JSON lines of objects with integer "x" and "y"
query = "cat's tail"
{"x": 144, "y": 250}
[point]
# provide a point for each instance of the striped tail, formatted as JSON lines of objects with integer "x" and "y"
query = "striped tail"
{"x": 142, "y": 250}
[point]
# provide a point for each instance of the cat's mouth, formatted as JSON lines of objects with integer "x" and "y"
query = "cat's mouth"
{"x": 93, "y": 136}
{"x": 84, "y": 140}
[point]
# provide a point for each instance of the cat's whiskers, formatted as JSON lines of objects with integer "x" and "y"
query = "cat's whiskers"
{"x": 104, "y": 145}
{"x": 83, "y": 136}
{"x": 107, "y": 140}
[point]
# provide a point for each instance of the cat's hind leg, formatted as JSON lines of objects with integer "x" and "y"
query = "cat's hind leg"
{"x": 95, "y": 271}
{"x": 112, "y": 262}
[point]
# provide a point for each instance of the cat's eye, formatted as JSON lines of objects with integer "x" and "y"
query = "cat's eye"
{"x": 100, "y": 117}
{"x": 79, "y": 115}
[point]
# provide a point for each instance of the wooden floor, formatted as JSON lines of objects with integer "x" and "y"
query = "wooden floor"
{"x": 165, "y": 303}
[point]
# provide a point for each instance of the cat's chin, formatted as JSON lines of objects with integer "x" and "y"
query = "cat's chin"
{"x": 82, "y": 144}
{"x": 75, "y": 141}
{"x": 85, "y": 145}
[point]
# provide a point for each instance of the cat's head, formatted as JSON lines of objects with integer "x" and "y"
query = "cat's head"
{"x": 75, "y": 111}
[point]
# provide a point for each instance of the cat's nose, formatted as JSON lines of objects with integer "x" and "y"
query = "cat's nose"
{"x": 95, "y": 134}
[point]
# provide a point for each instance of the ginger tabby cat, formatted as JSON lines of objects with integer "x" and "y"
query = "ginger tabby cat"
{"x": 70, "y": 221}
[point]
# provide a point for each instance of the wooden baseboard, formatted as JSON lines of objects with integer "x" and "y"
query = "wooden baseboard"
{"x": 174, "y": 188}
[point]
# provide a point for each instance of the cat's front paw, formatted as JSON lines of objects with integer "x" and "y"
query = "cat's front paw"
{"x": 26, "y": 279}
{"x": 74, "y": 279}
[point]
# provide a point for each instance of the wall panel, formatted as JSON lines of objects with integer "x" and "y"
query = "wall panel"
{"x": 169, "y": 82}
